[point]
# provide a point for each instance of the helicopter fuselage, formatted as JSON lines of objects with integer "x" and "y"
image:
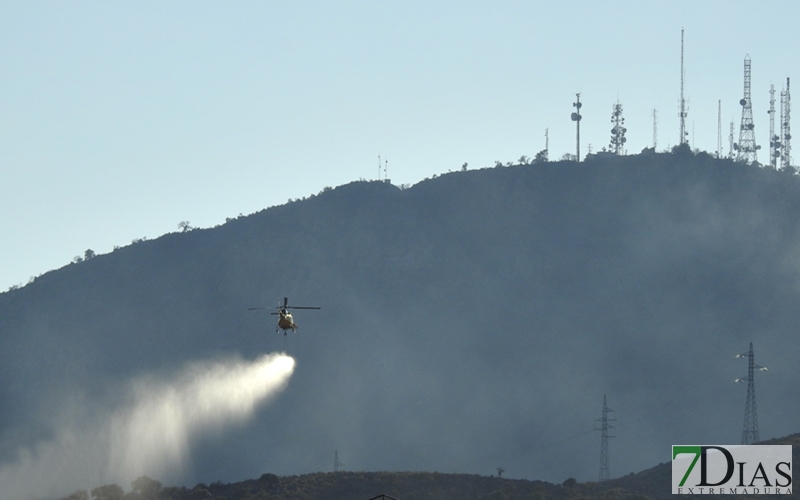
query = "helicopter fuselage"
{"x": 286, "y": 322}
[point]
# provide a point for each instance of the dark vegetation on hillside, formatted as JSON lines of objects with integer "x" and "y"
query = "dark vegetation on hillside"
{"x": 471, "y": 321}
{"x": 650, "y": 484}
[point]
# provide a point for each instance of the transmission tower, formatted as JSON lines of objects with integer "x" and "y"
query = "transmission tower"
{"x": 608, "y": 431}
{"x": 750, "y": 430}
{"x": 576, "y": 117}
{"x": 746, "y": 148}
{"x": 786, "y": 135}
{"x": 337, "y": 465}
{"x": 774, "y": 140}
{"x": 618, "y": 139}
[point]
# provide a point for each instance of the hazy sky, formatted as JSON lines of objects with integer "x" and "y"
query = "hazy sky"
{"x": 118, "y": 120}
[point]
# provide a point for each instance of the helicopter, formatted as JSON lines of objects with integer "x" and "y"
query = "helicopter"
{"x": 285, "y": 320}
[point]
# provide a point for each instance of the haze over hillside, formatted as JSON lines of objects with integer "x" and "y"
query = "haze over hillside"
{"x": 472, "y": 321}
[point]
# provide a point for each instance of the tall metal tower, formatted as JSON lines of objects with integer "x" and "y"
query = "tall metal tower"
{"x": 684, "y": 133}
{"x": 576, "y": 117}
{"x": 337, "y": 465}
{"x": 746, "y": 148}
{"x": 719, "y": 129}
{"x": 786, "y": 134}
{"x": 750, "y": 430}
{"x": 774, "y": 140}
{"x": 731, "y": 144}
{"x": 655, "y": 130}
{"x": 608, "y": 431}
{"x": 618, "y": 139}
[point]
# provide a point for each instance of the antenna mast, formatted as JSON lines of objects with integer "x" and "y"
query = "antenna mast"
{"x": 731, "y": 144}
{"x": 576, "y": 117}
{"x": 683, "y": 137}
{"x": 608, "y": 431}
{"x": 747, "y": 138}
{"x": 719, "y": 129}
{"x": 618, "y": 131}
{"x": 655, "y": 130}
{"x": 786, "y": 135}
{"x": 546, "y": 145}
{"x": 774, "y": 140}
{"x": 750, "y": 430}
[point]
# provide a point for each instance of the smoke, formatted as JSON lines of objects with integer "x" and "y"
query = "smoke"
{"x": 150, "y": 433}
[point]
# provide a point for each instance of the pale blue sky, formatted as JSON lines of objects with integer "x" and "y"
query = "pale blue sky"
{"x": 120, "y": 119}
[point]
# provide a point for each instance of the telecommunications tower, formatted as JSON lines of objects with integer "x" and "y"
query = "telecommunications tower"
{"x": 684, "y": 133}
{"x": 608, "y": 431}
{"x": 746, "y": 148}
{"x": 719, "y": 129}
{"x": 576, "y": 117}
{"x": 786, "y": 135}
{"x": 774, "y": 140}
{"x": 750, "y": 430}
{"x": 655, "y": 130}
{"x": 618, "y": 139}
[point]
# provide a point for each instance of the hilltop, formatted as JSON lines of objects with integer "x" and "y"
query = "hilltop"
{"x": 472, "y": 321}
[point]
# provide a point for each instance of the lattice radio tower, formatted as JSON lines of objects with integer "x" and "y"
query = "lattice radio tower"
{"x": 684, "y": 134}
{"x": 746, "y": 148}
{"x": 608, "y": 431}
{"x": 774, "y": 140}
{"x": 750, "y": 430}
{"x": 786, "y": 134}
{"x": 618, "y": 139}
{"x": 655, "y": 130}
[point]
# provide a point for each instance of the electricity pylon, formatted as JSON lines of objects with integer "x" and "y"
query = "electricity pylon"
{"x": 750, "y": 429}
{"x": 608, "y": 431}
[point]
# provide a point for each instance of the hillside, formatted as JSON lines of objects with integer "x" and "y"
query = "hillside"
{"x": 472, "y": 321}
{"x": 652, "y": 484}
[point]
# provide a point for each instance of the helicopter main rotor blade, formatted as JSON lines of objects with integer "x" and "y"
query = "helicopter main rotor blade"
{"x": 302, "y": 307}
{"x": 254, "y": 308}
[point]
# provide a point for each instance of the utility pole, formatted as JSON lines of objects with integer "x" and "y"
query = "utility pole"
{"x": 608, "y": 431}
{"x": 750, "y": 429}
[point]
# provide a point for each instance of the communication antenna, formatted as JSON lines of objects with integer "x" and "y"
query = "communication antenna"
{"x": 655, "y": 130}
{"x": 786, "y": 134}
{"x": 576, "y": 117}
{"x": 719, "y": 129}
{"x": 774, "y": 140}
{"x": 731, "y": 144}
{"x": 337, "y": 465}
{"x": 386, "y": 172}
{"x": 746, "y": 149}
{"x": 546, "y": 145}
{"x": 379, "y": 166}
{"x": 618, "y": 131}
{"x": 750, "y": 430}
{"x": 608, "y": 431}
{"x": 684, "y": 133}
